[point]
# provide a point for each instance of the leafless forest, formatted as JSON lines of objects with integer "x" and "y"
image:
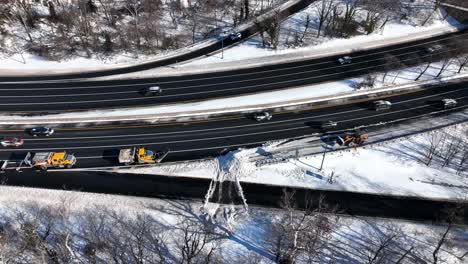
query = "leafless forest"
{"x": 181, "y": 232}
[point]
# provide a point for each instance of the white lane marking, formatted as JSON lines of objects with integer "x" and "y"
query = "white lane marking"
{"x": 241, "y": 74}
{"x": 63, "y": 95}
{"x": 256, "y": 124}
{"x": 185, "y": 94}
{"x": 221, "y": 83}
{"x": 260, "y": 142}
{"x": 167, "y": 142}
{"x": 231, "y": 136}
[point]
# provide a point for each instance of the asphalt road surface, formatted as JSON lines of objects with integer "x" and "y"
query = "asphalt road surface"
{"x": 99, "y": 146}
{"x": 56, "y": 97}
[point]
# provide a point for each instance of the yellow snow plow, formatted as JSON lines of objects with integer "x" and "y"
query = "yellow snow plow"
{"x": 141, "y": 155}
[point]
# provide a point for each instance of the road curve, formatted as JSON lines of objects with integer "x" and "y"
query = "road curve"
{"x": 98, "y": 146}
{"x": 58, "y": 97}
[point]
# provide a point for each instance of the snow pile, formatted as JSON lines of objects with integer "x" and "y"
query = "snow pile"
{"x": 229, "y": 168}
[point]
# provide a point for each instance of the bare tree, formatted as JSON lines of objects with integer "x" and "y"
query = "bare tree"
{"x": 301, "y": 233}
{"x": 434, "y": 142}
{"x": 423, "y": 70}
{"x": 452, "y": 215}
{"x": 463, "y": 159}
{"x": 269, "y": 29}
{"x": 324, "y": 11}
{"x": 195, "y": 246}
{"x": 451, "y": 150}
{"x": 306, "y": 27}
{"x": 134, "y": 8}
{"x": 444, "y": 65}
{"x": 391, "y": 63}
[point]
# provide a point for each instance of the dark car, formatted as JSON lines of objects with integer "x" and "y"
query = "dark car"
{"x": 433, "y": 49}
{"x": 153, "y": 90}
{"x": 381, "y": 105}
{"x": 41, "y": 131}
{"x": 345, "y": 60}
{"x": 235, "y": 36}
{"x": 261, "y": 116}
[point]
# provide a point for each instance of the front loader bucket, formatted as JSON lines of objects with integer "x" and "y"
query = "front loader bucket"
{"x": 158, "y": 160}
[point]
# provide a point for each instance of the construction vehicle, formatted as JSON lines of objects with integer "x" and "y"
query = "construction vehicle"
{"x": 352, "y": 139}
{"x": 45, "y": 160}
{"x": 141, "y": 155}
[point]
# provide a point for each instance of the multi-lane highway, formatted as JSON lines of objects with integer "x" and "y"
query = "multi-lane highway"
{"x": 37, "y": 96}
{"x": 98, "y": 146}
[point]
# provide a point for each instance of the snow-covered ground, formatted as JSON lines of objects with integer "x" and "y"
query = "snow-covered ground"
{"x": 394, "y": 29}
{"x": 252, "y": 48}
{"x": 370, "y": 169}
{"x": 84, "y": 226}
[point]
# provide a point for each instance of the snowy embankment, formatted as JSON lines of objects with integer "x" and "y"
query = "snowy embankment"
{"x": 421, "y": 170}
{"x": 395, "y": 31}
{"x": 88, "y": 227}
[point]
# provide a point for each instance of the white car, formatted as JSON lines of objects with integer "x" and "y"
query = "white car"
{"x": 345, "y": 60}
{"x": 448, "y": 103}
{"x": 262, "y": 116}
{"x": 12, "y": 142}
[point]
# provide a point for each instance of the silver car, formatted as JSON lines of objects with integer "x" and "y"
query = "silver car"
{"x": 329, "y": 124}
{"x": 345, "y": 60}
{"x": 381, "y": 105}
{"x": 262, "y": 116}
{"x": 434, "y": 48}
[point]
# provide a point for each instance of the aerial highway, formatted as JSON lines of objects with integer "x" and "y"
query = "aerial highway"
{"x": 98, "y": 146}
{"x": 71, "y": 95}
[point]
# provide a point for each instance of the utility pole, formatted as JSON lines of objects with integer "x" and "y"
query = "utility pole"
{"x": 323, "y": 159}
{"x": 222, "y": 47}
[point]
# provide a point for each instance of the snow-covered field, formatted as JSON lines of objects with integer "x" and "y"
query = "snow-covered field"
{"x": 82, "y": 227}
{"x": 398, "y": 167}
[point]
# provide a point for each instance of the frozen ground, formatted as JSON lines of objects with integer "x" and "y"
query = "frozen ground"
{"x": 396, "y": 167}
{"x": 252, "y": 48}
{"x": 75, "y": 223}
